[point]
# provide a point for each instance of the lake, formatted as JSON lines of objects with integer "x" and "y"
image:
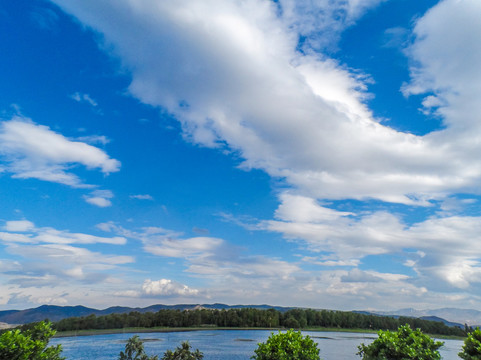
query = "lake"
{"x": 221, "y": 344}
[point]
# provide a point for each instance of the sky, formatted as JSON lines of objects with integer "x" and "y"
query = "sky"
{"x": 320, "y": 154}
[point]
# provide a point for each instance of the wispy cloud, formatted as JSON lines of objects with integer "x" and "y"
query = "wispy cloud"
{"x": 84, "y": 98}
{"x": 27, "y": 232}
{"x": 142, "y": 197}
{"x": 46, "y": 257}
{"x": 211, "y": 258}
{"x": 442, "y": 251}
{"x": 46, "y": 19}
{"x": 35, "y": 151}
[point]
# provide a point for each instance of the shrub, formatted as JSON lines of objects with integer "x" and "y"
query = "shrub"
{"x": 400, "y": 345}
{"x": 290, "y": 345}
{"x": 472, "y": 346}
{"x": 30, "y": 344}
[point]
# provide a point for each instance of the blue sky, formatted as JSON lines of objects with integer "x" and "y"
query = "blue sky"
{"x": 321, "y": 154}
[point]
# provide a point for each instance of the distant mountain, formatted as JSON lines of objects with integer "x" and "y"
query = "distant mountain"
{"x": 446, "y": 322}
{"x": 51, "y": 312}
{"x": 395, "y": 315}
{"x": 449, "y": 316}
{"x": 56, "y": 313}
{"x": 454, "y": 315}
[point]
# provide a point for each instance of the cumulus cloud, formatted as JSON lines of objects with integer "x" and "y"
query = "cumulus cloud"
{"x": 100, "y": 198}
{"x": 35, "y": 151}
{"x": 165, "y": 287}
{"x": 18, "y": 225}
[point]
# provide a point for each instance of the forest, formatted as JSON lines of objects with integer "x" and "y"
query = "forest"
{"x": 254, "y": 318}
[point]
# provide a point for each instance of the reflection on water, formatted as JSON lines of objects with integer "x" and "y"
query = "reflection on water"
{"x": 221, "y": 344}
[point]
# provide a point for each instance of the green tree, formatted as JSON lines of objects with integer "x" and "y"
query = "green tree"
{"x": 183, "y": 352}
{"x": 30, "y": 344}
{"x": 402, "y": 344}
{"x": 472, "y": 346}
{"x": 134, "y": 350}
{"x": 290, "y": 345}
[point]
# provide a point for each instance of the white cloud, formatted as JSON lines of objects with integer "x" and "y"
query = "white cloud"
{"x": 165, "y": 287}
{"x": 15, "y": 238}
{"x": 84, "y": 98}
{"x": 94, "y": 139}
{"x": 19, "y": 225}
{"x": 35, "y": 151}
{"x": 142, "y": 197}
{"x": 172, "y": 247}
{"x": 445, "y": 62}
{"x": 100, "y": 198}
{"x": 24, "y": 231}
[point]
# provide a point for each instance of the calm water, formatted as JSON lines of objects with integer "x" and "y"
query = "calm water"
{"x": 221, "y": 344}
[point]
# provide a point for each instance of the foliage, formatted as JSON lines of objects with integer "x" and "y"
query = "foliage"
{"x": 402, "y": 344}
{"x": 250, "y": 317}
{"x": 134, "y": 350}
{"x": 30, "y": 344}
{"x": 183, "y": 352}
{"x": 472, "y": 346}
{"x": 290, "y": 345}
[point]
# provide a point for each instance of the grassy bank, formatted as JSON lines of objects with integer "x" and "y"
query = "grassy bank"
{"x": 130, "y": 330}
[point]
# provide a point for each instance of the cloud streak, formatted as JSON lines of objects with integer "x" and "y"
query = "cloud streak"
{"x": 35, "y": 151}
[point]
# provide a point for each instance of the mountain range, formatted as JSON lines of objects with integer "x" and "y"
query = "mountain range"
{"x": 450, "y": 316}
{"x": 461, "y": 316}
{"x": 56, "y": 313}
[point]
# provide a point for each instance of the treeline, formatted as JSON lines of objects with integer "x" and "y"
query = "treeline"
{"x": 253, "y": 318}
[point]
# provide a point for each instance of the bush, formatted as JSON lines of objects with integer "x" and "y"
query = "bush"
{"x": 472, "y": 346}
{"x": 400, "y": 345}
{"x": 290, "y": 345}
{"x": 183, "y": 353}
{"x": 30, "y": 344}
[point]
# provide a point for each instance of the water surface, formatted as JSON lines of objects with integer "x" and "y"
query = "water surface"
{"x": 221, "y": 344}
